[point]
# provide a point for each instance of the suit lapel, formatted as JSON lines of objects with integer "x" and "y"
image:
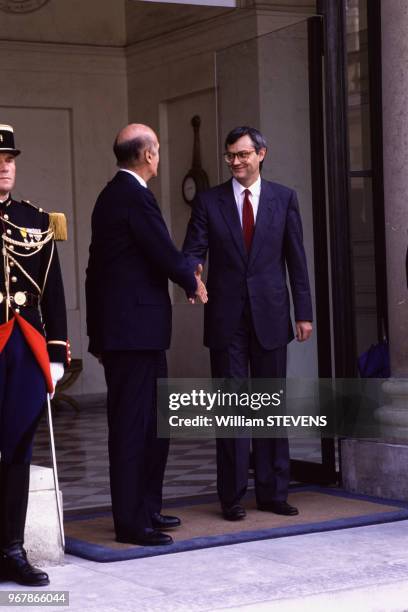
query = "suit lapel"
{"x": 263, "y": 220}
{"x": 229, "y": 211}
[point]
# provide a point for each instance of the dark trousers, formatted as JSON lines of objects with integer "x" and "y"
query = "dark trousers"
{"x": 137, "y": 458}
{"x": 22, "y": 396}
{"x": 242, "y": 357}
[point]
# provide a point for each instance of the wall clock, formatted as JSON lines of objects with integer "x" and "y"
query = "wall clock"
{"x": 196, "y": 178}
{"x": 21, "y": 6}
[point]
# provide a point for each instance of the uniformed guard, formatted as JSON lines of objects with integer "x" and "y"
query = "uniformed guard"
{"x": 33, "y": 351}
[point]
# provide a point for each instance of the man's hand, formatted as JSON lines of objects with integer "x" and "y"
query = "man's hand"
{"x": 303, "y": 330}
{"x": 201, "y": 291}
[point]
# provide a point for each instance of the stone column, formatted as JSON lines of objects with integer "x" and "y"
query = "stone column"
{"x": 394, "y": 23}
{"x": 380, "y": 467}
{"x": 394, "y": 18}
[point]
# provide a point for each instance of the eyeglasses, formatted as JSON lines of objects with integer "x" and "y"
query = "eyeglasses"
{"x": 241, "y": 156}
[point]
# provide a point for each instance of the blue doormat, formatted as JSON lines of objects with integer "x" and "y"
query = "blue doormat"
{"x": 91, "y": 536}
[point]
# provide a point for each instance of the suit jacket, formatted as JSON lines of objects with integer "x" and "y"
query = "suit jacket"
{"x": 131, "y": 258}
{"x": 234, "y": 277}
{"x": 36, "y": 274}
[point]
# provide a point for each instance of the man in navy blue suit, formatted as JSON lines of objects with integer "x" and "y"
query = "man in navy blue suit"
{"x": 253, "y": 232}
{"x": 129, "y": 325}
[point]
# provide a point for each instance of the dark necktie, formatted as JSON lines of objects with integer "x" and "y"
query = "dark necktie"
{"x": 247, "y": 220}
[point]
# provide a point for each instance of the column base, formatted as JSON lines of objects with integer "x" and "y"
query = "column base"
{"x": 373, "y": 467}
{"x": 393, "y": 417}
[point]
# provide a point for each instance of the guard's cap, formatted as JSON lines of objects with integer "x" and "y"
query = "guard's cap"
{"x": 7, "y": 140}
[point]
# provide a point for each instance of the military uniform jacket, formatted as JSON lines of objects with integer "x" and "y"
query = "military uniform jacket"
{"x": 30, "y": 274}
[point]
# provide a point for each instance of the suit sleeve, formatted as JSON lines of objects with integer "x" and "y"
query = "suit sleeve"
{"x": 296, "y": 262}
{"x": 92, "y": 288}
{"x": 150, "y": 231}
{"x": 196, "y": 241}
{"x": 53, "y": 307}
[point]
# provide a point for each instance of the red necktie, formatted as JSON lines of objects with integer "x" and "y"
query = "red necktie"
{"x": 247, "y": 220}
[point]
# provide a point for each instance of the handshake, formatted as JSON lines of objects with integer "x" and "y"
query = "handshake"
{"x": 201, "y": 290}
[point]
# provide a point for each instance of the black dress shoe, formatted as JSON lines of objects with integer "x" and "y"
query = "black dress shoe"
{"x": 149, "y": 537}
{"x": 161, "y": 521}
{"x": 234, "y": 513}
{"x": 279, "y": 507}
{"x": 15, "y": 566}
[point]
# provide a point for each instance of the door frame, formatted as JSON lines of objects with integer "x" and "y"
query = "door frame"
{"x": 329, "y": 133}
{"x": 307, "y": 471}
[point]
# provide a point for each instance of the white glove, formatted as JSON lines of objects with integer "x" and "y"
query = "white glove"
{"x": 57, "y": 372}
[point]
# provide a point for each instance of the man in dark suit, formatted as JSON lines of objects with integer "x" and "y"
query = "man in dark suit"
{"x": 252, "y": 230}
{"x": 129, "y": 327}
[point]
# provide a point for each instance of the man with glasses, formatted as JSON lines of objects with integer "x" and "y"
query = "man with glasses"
{"x": 252, "y": 230}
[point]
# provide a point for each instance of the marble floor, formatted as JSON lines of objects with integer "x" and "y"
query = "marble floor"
{"x": 364, "y": 569}
{"x": 81, "y": 447}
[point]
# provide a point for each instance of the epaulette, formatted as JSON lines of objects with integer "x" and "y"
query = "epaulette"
{"x": 58, "y": 222}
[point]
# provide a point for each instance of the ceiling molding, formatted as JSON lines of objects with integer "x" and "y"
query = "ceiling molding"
{"x": 52, "y": 57}
{"x": 226, "y": 30}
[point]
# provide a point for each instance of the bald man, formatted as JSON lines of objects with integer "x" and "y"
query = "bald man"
{"x": 129, "y": 326}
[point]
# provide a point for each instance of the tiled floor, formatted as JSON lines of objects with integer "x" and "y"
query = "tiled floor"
{"x": 81, "y": 446}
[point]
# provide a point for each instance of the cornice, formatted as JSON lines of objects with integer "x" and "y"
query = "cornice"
{"x": 61, "y": 48}
{"x": 25, "y": 56}
{"x": 206, "y": 37}
{"x": 186, "y": 31}
{"x": 146, "y": 21}
{"x": 203, "y": 37}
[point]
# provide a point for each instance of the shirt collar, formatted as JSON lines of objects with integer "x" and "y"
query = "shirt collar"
{"x": 137, "y": 177}
{"x": 239, "y": 189}
{"x": 6, "y": 202}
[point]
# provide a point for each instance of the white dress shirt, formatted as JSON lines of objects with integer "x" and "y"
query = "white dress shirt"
{"x": 239, "y": 195}
{"x": 137, "y": 177}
